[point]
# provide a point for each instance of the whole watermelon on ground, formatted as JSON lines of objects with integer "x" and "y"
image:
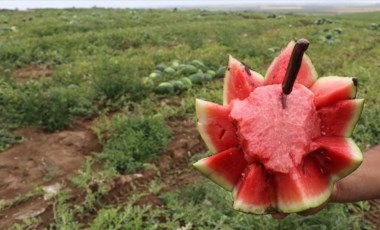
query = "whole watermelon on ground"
{"x": 277, "y": 159}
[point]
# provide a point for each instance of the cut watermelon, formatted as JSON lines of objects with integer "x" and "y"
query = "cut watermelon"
{"x": 276, "y": 71}
{"x": 328, "y": 90}
{"x": 339, "y": 119}
{"x": 264, "y": 140}
{"x": 339, "y": 156}
{"x": 305, "y": 186}
{"x": 239, "y": 81}
{"x": 276, "y": 158}
{"x": 254, "y": 192}
{"x": 224, "y": 168}
{"x": 215, "y": 126}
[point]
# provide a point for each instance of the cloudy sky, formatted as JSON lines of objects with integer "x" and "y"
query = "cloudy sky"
{"x": 4, "y": 4}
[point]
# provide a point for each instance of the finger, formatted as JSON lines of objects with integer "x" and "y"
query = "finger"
{"x": 335, "y": 196}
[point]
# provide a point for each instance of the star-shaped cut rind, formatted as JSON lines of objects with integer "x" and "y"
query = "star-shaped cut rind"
{"x": 235, "y": 165}
{"x": 306, "y": 76}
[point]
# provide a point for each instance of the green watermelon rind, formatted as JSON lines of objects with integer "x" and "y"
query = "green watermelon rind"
{"x": 165, "y": 88}
{"x": 307, "y": 202}
{"x": 201, "y": 166}
{"x": 252, "y": 209}
{"x": 357, "y": 158}
{"x": 304, "y": 204}
{"x": 239, "y": 205}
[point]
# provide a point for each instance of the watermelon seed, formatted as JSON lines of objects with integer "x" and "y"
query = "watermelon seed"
{"x": 293, "y": 68}
{"x": 222, "y": 133}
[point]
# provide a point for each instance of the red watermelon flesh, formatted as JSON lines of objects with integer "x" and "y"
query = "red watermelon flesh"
{"x": 278, "y": 158}
{"x": 329, "y": 90}
{"x": 261, "y": 120}
{"x": 255, "y": 192}
{"x": 334, "y": 155}
{"x": 340, "y": 118}
{"x": 214, "y": 121}
{"x": 306, "y": 186}
{"x": 224, "y": 168}
{"x": 239, "y": 81}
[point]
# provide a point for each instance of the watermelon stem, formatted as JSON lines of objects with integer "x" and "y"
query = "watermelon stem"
{"x": 293, "y": 68}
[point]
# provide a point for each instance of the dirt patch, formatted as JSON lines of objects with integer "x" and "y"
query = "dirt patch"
{"x": 34, "y": 72}
{"x": 62, "y": 154}
{"x": 372, "y": 215}
{"x": 151, "y": 200}
{"x": 42, "y": 159}
{"x": 171, "y": 171}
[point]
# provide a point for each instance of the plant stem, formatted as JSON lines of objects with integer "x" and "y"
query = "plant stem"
{"x": 293, "y": 68}
{"x": 294, "y": 65}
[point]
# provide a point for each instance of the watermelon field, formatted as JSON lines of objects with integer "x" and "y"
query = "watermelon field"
{"x": 97, "y": 113}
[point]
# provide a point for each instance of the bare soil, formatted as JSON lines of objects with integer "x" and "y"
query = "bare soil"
{"x": 41, "y": 159}
{"x": 34, "y": 72}
{"x": 48, "y": 158}
{"x": 373, "y": 214}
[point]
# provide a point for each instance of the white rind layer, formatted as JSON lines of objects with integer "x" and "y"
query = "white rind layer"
{"x": 306, "y": 202}
{"x": 241, "y": 206}
{"x": 200, "y": 109}
{"x": 201, "y": 165}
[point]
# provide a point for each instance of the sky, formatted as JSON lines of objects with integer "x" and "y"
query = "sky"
{"x": 7, "y": 4}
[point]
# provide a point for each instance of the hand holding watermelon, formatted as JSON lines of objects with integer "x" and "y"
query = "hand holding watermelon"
{"x": 362, "y": 184}
{"x": 280, "y": 153}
